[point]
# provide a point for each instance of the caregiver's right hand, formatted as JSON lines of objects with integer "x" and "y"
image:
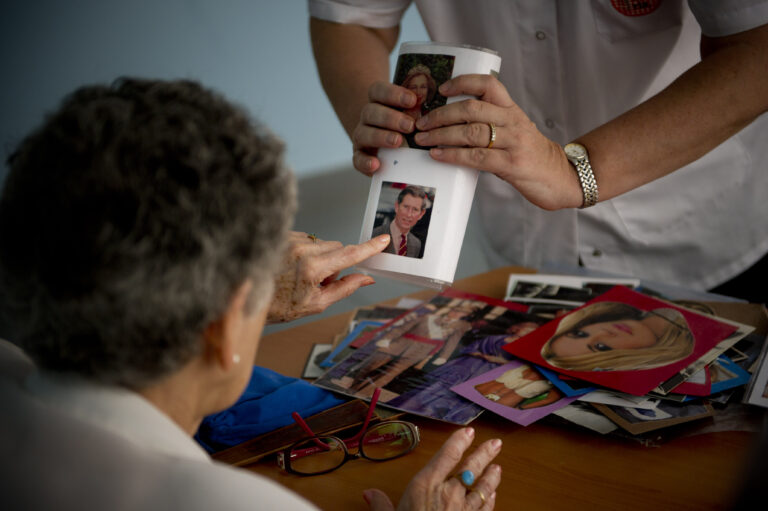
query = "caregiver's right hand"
{"x": 381, "y": 124}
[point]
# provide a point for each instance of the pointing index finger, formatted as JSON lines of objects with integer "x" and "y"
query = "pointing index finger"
{"x": 350, "y": 255}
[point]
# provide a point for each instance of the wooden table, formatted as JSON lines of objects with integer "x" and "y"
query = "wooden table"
{"x": 544, "y": 466}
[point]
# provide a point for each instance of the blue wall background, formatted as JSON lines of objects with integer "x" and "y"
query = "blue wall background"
{"x": 255, "y": 52}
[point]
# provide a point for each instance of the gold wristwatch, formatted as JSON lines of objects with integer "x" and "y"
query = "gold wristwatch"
{"x": 577, "y": 155}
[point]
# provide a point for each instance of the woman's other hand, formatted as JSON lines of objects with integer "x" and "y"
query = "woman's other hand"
{"x": 435, "y": 486}
{"x": 308, "y": 281}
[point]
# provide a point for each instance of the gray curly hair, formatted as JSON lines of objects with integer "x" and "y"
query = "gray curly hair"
{"x": 128, "y": 221}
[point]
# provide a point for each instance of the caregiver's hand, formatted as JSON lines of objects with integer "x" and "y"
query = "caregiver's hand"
{"x": 308, "y": 281}
{"x": 520, "y": 155}
{"x": 435, "y": 486}
{"x": 380, "y": 124}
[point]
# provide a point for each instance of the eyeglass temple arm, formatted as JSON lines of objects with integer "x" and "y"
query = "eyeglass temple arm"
{"x": 374, "y": 399}
{"x": 371, "y": 408}
{"x": 303, "y": 425}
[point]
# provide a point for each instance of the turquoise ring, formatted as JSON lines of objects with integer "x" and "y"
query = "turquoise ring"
{"x": 467, "y": 478}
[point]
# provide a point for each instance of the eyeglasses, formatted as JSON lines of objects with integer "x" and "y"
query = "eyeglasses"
{"x": 321, "y": 454}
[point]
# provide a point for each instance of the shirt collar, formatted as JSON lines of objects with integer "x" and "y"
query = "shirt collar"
{"x": 116, "y": 410}
{"x": 396, "y": 233}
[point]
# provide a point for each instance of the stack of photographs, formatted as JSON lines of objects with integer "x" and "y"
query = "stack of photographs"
{"x": 363, "y": 321}
{"x": 554, "y": 295}
{"x": 420, "y": 355}
{"x": 597, "y": 352}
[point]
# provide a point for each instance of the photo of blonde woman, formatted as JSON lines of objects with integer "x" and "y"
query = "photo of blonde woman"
{"x": 611, "y": 336}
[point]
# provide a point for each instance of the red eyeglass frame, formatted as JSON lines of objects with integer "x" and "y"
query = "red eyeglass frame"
{"x": 353, "y": 442}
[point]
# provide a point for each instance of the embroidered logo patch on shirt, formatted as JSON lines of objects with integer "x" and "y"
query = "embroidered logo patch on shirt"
{"x": 635, "y": 7}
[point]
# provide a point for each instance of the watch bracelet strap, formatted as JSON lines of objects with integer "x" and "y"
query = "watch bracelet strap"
{"x": 588, "y": 183}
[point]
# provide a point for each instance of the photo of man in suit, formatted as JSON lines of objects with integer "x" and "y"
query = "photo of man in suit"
{"x": 410, "y": 207}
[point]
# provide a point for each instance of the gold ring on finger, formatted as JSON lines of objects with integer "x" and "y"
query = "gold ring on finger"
{"x": 480, "y": 494}
{"x": 493, "y": 135}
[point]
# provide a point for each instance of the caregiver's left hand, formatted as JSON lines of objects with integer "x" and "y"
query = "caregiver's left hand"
{"x": 521, "y": 155}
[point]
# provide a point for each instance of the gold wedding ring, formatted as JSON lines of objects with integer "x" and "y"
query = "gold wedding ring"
{"x": 493, "y": 135}
{"x": 482, "y": 497}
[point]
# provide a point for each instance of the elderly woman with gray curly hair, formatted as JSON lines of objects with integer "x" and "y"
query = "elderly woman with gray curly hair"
{"x": 145, "y": 244}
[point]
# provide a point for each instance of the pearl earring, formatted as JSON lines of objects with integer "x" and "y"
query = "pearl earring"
{"x": 236, "y": 358}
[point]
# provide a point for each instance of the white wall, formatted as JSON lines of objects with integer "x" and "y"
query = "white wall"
{"x": 256, "y": 52}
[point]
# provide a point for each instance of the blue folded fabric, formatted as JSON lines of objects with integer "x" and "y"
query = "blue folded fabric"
{"x": 267, "y": 404}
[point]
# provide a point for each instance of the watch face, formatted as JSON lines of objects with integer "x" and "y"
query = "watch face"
{"x": 575, "y": 151}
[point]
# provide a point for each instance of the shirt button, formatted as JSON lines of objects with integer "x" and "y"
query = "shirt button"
{"x": 597, "y": 252}
{"x": 549, "y": 123}
{"x": 540, "y": 35}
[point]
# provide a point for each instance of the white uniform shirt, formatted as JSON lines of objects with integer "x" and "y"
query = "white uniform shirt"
{"x": 523, "y": 387}
{"x": 574, "y": 65}
{"x": 67, "y": 444}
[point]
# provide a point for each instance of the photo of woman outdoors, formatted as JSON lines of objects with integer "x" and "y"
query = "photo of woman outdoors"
{"x": 419, "y": 81}
{"x": 422, "y": 74}
{"x": 611, "y": 336}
